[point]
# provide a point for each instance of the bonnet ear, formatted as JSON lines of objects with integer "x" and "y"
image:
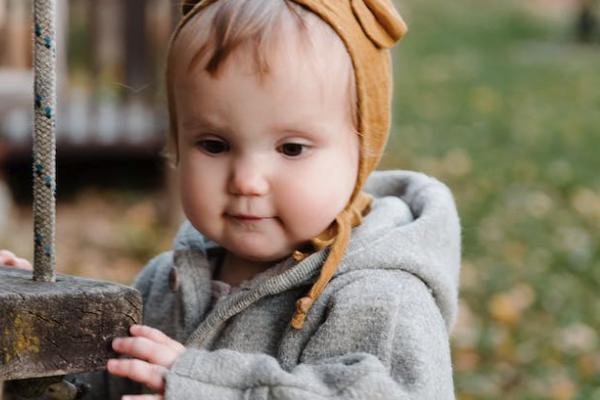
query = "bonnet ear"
{"x": 378, "y": 18}
{"x": 380, "y": 21}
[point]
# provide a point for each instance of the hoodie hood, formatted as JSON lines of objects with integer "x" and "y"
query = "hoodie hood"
{"x": 413, "y": 226}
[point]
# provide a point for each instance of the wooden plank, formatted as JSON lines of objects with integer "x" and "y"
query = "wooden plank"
{"x": 60, "y": 328}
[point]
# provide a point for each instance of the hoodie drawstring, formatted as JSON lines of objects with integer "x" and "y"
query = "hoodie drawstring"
{"x": 338, "y": 236}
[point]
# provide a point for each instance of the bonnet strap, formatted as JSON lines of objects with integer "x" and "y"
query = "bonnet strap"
{"x": 338, "y": 236}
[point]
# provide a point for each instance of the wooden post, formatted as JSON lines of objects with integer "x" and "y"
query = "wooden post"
{"x": 135, "y": 53}
{"x": 157, "y": 39}
{"x": 2, "y": 18}
{"x": 587, "y": 21}
{"x": 18, "y": 39}
{"x": 108, "y": 39}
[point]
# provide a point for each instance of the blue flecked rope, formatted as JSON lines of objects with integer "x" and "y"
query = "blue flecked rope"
{"x": 44, "y": 147}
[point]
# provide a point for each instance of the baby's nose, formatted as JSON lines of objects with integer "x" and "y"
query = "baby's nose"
{"x": 248, "y": 179}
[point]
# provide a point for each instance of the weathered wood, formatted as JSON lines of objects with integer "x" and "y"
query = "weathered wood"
{"x": 60, "y": 328}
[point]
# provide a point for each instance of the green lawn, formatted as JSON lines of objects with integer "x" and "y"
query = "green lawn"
{"x": 504, "y": 107}
{"x": 501, "y": 104}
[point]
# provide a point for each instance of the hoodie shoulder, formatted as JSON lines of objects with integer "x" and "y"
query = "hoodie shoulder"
{"x": 153, "y": 274}
{"x": 427, "y": 246}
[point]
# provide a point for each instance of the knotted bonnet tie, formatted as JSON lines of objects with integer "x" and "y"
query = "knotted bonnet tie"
{"x": 368, "y": 28}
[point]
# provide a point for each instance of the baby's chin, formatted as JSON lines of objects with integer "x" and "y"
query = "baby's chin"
{"x": 261, "y": 256}
{"x": 258, "y": 253}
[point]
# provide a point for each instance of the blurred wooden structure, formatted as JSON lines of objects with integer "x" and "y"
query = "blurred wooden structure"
{"x": 109, "y": 92}
{"x": 111, "y": 110}
{"x": 109, "y": 74}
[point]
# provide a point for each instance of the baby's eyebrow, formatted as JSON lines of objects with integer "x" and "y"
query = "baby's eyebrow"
{"x": 196, "y": 123}
{"x": 294, "y": 131}
{"x": 297, "y": 128}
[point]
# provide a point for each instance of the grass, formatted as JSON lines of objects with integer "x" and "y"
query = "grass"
{"x": 501, "y": 104}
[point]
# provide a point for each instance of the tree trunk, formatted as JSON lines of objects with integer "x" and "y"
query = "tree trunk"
{"x": 587, "y": 21}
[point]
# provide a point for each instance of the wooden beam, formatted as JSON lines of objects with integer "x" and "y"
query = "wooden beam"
{"x": 60, "y": 328}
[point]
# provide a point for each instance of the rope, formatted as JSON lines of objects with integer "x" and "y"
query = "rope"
{"x": 44, "y": 148}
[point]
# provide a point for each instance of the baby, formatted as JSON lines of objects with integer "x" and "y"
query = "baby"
{"x": 288, "y": 281}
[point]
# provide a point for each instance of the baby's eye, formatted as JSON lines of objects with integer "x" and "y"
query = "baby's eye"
{"x": 213, "y": 146}
{"x": 292, "y": 149}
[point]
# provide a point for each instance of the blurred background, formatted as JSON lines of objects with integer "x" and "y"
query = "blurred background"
{"x": 498, "y": 99}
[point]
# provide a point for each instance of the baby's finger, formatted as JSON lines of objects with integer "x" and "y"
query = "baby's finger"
{"x": 140, "y": 371}
{"x": 23, "y": 264}
{"x": 9, "y": 259}
{"x": 156, "y": 336}
{"x": 145, "y": 349}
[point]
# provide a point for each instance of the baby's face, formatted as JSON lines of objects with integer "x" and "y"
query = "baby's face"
{"x": 265, "y": 165}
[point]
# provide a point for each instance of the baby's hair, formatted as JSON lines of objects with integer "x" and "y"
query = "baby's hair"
{"x": 222, "y": 28}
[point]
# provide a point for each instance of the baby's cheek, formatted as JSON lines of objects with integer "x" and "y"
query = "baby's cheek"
{"x": 309, "y": 210}
{"x": 199, "y": 199}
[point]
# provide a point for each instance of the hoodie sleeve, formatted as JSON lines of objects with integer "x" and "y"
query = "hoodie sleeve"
{"x": 375, "y": 343}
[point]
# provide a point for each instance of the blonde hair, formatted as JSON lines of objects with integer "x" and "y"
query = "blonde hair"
{"x": 226, "y": 26}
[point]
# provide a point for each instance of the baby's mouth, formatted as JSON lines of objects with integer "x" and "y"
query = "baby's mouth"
{"x": 247, "y": 218}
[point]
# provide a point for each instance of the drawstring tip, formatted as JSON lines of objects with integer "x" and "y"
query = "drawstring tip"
{"x": 303, "y": 305}
{"x": 298, "y": 255}
{"x": 298, "y": 321}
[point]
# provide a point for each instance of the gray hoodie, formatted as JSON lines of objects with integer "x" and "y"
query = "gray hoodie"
{"x": 379, "y": 330}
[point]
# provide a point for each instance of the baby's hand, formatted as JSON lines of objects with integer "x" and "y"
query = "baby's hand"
{"x": 152, "y": 354}
{"x": 9, "y": 259}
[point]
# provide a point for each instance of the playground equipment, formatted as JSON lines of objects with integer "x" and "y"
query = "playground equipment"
{"x": 54, "y": 325}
